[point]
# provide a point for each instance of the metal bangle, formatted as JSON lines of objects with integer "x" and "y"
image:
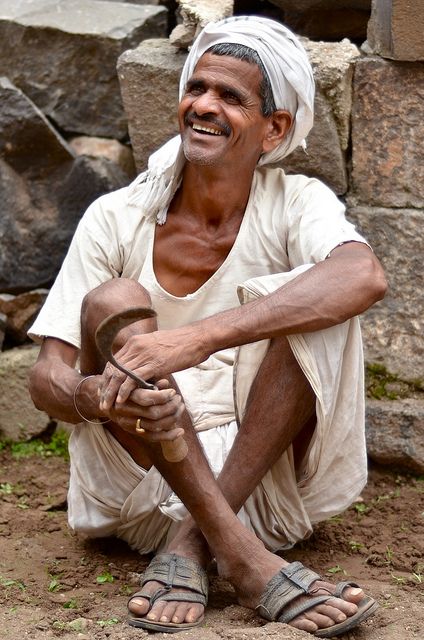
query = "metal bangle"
{"x": 76, "y": 406}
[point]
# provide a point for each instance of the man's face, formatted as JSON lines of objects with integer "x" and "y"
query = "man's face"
{"x": 220, "y": 115}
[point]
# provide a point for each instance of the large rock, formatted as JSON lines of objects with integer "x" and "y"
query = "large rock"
{"x": 195, "y": 14}
{"x": 154, "y": 68}
{"x": 149, "y": 78}
{"x": 20, "y": 312}
{"x": 19, "y": 419}
{"x": 394, "y": 328}
{"x": 396, "y": 29}
{"x": 44, "y": 190}
{"x": 63, "y": 53}
{"x": 113, "y": 150}
{"x": 395, "y": 433}
{"x": 387, "y": 133}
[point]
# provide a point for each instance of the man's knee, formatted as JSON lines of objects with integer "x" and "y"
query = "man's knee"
{"x": 111, "y": 297}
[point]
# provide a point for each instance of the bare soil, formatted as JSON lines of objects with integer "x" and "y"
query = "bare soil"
{"x": 55, "y": 584}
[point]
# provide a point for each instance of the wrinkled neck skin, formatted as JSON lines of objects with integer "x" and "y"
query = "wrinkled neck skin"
{"x": 213, "y": 192}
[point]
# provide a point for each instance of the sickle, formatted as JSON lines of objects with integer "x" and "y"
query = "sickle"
{"x": 173, "y": 450}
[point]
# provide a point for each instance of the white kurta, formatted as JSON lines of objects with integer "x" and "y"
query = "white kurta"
{"x": 290, "y": 223}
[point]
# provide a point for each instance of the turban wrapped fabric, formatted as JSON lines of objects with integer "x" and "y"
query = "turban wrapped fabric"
{"x": 292, "y": 83}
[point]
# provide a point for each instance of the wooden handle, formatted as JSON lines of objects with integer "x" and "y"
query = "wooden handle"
{"x": 174, "y": 450}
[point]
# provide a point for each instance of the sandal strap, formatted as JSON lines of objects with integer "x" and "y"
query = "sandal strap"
{"x": 341, "y": 586}
{"x": 172, "y": 570}
{"x": 296, "y": 610}
{"x": 289, "y": 583}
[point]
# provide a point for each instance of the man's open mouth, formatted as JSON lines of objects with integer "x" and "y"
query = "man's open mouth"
{"x": 207, "y": 130}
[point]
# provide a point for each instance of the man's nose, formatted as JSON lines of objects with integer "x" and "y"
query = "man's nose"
{"x": 207, "y": 102}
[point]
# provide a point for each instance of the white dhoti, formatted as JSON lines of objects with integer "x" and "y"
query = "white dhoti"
{"x": 109, "y": 494}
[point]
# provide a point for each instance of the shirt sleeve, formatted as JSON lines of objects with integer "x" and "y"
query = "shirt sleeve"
{"x": 316, "y": 224}
{"x": 93, "y": 257}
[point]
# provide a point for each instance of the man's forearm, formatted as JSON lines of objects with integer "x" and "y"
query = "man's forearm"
{"x": 327, "y": 294}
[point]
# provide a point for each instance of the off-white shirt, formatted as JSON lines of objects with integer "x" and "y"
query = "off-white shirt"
{"x": 289, "y": 221}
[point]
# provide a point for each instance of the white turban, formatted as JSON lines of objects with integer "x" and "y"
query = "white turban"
{"x": 292, "y": 83}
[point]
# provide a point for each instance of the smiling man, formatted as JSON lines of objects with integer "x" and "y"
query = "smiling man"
{"x": 268, "y": 394}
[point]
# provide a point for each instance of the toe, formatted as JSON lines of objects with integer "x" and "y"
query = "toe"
{"x": 138, "y": 606}
{"x": 353, "y": 594}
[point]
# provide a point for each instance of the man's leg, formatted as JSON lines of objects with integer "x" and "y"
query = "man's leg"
{"x": 240, "y": 556}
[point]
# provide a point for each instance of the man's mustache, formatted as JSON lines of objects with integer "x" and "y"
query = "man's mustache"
{"x": 190, "y": 118}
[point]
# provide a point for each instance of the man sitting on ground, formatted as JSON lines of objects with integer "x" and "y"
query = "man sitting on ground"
{"x": 268, "y": 394}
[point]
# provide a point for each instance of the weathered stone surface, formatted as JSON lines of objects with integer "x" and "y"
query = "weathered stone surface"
{"x": 21, "y": 311}
{"x": 393, "y": 328}
{"x": 112, "y": 150}
{"x": 333, "y": 65}
{"x": 149, "y": 77}
{"x": 387, "y": 133}
{"x": 19, "y": 419}
{"x": 63, "y": 55}
{"x": 196, "y": 14}
{"x": 395, "y": 433}
{"x": 43, "y": 192}
{"x": 396, "y": 29}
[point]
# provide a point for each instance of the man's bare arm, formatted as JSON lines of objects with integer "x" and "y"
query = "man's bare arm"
{"x": 53, "y": 380}
{"x": 329, "y": 293}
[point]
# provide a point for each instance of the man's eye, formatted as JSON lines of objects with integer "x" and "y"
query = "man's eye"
{"x": 230, "y": 97}
{"x": 195, "y": 90}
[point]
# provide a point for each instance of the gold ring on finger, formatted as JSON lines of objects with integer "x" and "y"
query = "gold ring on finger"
{"x": 138, "y": 426}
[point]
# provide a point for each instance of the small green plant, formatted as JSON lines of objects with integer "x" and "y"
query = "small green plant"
{"x": 361, "y": 508}
{"x": 336, "y": 569}
{"x": 106, "y": 576}
{"x": 125, "y": 590}
{"x": 71, "y": 604}
{"x": 6, "y": 488}
{"x": 389, "y": 555}
{"x": 9, "y": 583}
{"x": 336, "y": 519}
{"x": 54, "y": 584}
{"x": 58, "y": 446}
{"x": 355, "y": 546}
{"x": 418, "y": 578}
{"x": 109, "y": 622}
{"x": 398, "y": 579}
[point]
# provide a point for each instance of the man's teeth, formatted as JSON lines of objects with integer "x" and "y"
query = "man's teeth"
{"x": 214, "y": 132}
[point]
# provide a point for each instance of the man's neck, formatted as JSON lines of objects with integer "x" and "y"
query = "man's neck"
{"x": 213, "y": 192}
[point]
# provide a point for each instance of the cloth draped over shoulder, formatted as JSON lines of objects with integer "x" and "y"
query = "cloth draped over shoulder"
{"x": 292, "y": 83}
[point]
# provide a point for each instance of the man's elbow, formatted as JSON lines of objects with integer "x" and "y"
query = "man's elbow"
{"x": 35, "y": 386}
{"x": 375, "y": 279}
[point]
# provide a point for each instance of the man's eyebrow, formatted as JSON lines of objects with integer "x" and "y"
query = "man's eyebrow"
{"x": 222, "y": 87}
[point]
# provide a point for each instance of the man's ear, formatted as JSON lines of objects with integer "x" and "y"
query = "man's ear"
{"x": 278, "y": 126}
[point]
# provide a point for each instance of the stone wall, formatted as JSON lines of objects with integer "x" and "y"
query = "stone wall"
{"x": 365, "y": 144}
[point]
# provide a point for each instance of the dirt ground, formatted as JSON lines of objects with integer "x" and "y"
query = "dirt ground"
{"x": 55, "y": 584}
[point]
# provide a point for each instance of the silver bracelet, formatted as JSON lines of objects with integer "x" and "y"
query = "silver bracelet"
{"x": 76, "y": 406}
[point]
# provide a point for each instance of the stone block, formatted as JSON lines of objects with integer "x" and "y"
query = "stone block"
{"x": 387, "y": 133}
{"x": 19, "y": 419}
{"x": 307, "y": 5}
{"x": 44, "y": 190}
{"x": 195, "y": 14}
{"x": 395, "y": 433}
{"x": 393, "y": 329}
{"x": 21, "y": 311}
{"x": 149, "y": 77}
{"x": 396, "y": 29}
{"x": 333, "y": 65}
{"x": 63, "y": 55}
{"x": 112, "y": 150}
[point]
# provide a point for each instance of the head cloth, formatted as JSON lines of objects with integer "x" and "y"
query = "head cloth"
{"x": 292, "y": 83}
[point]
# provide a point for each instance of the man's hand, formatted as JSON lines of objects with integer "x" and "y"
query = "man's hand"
{"x": 158, "y": 412}
{"x": 151, "y": 356}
